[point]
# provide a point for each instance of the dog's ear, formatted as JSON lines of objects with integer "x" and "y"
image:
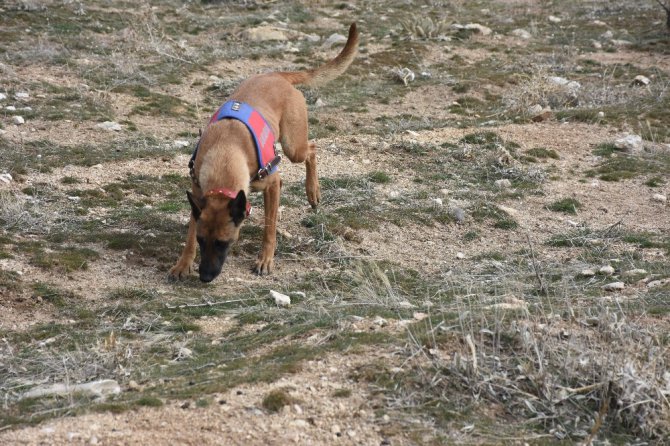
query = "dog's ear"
{"x": 196, "y": 208}
{"x": 238, "y": 208}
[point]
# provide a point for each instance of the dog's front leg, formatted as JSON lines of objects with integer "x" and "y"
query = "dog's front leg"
{"x": 265, "y": 261}
{"x": 184, "y": 265}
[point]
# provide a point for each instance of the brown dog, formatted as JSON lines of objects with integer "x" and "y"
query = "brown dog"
{"x": 226, "y": 165}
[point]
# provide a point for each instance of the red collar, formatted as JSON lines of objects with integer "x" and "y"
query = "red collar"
{"x": 229, "y": 194}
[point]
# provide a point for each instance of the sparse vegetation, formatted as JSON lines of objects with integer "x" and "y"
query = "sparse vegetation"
{"x": 436, "y": 296}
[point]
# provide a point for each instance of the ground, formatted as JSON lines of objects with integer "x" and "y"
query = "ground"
{"x": 454, "y": 286}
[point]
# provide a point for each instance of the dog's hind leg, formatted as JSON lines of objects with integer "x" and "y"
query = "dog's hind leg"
{"x": 296, "y": 147}
{"x": 184, "y": 265}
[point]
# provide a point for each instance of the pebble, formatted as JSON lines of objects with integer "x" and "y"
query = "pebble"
{"x": 503, "y": 184}
{"x": 457, "y": 214}
{"x": 630, "y": 143}
{"x": 601, "y": 115}
{"x": 184, "y": 353}
{"x": 132, "y": 385}
{"x": 597, "y": 45}
{"x": 657, "y": 283}
{"x": 380, "y": 321}
{"x": 335, "y": 429}
{"x": 607, "y": 35}
{"x": 319, "y": 103}
{"x": 460, "y": 255}
{"x": 10, "y": 108}
{"x": 22, "y": 95}
{"x": 554, "y": 19}
{"x": 641, "y": 80}
{"x": 265, "y": 33}
{"x": 587, "y": 273}
{"x": 635, "y": 272}
{"x": 181, "y": 143}
{"x": 606, "y": 270}
{"x": 282, "y": 300}
{"x": 481, "y": 29}
{"x": 18, "y": 120}
{"x": 333, "y": 39}
{"x": 419, "y": 316}
{"x": 614, "y": 286}
{"x": 3, "y": 96}
{"x": 6, "y": 178}
{"x": 109, "y": 126}
{"x": 521, "y": 33}
{"x": 660, "y": 198}
{"x": 437, "y": 201}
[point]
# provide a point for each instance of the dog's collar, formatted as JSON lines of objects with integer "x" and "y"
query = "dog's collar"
{"x": 261, "y": 132}
{"x": 229, "y": 194}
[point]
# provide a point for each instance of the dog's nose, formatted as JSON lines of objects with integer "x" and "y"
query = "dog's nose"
{"x": 207, "y": 277}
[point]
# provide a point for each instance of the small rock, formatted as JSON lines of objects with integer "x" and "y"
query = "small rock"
{"x": 333, "y": 39}
{"x": 280, "y": 299}
{"x": 419, "y": 316}
{"x": 100, "y": 389}
{"x": 614, "y": 286}
{"x": 437, "y": 201}
{"x": 660, "y": 198}
{"x": 606, "y": 270}
{"x": 300, "y": 423}
{"x": 534, "y": 110}
{"x": 394, "y": 194}
{"x": 183, "y": 353}
{"x": 380, "y": 321}
{"x": 110, "y": 126}
{"x": 6, "y": 178}
{"x": 607, "y": 35}
{"x": 601, "y": 115}
{"x": 319, "y": 103}
{"x": 634, "y": 272}
{"x": 335, "y": 429}
{"x": 22, "y": 95}
{"x": 180, "y": 144}
{"x": 508, "y": 210}
{"x": 598, "y": 23}
{"x": 265, "y": 33}
{"x": 457, "y": 214}
{"x": 641, "y": 80}
{"x": 630, "y": 143}
{"x": 587, "y": 273}
{"x": 313, "y": 38}
{"x": 93, "y": 440}
{"x": 18, "y": 120}
{"x": 554, "y": 19}
{"x": 657, "y": 283}
{"x": 460, "y": 255}
{"x": 521, "y": 33}
{"x": 597, "y": 45}
{"x": 3, "y": 96}
{"x": 481, "y": 29}
{"x": 10, "y": 108}
{"x": 503, "y": 184}
{"x": 621, "y": 42}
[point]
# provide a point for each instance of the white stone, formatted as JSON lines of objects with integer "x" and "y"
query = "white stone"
{"x": 3, "y": 96}
{"x": 534, "y": 110}
{"x": 378, "y": 320}
{"x": 319, "y": 103}
{"x": 181, "y": 143}
{"x": 587, "y": 273}
{"x": 601, "y": 115}
{"x": 481, "y": 29}
{"x": 606, "y": 270}
{"x": 657, "y": 283}
{"x": 460, "y": 255}
{"x": 607, "y": 35}
{"x": 635, "y": 272}
{"x": 265, "y": 33}
{"x": 101, "y": 389}
{"x": 660, "y": 198}
{"x": 280, "y": 299}
{"x": 598, "y": 23}
{"x": 641, "y": 80}
{"x": 630, "y": 143}
{"x": 521, "y": 33}
{"x": 597, "y": 45}
{"x": 614, "y": 286}
{"x": 437, "y": 201}
{"x": 503, "y": 184}
{"x": 621, "y": 42}
{"x": 22, "y": 95}
{"x": 334, "y": 39}
{"x": 18, "y": 120}
{"x": 6, "y": 178}
{"x": 554, "y": 19}
{"x": 10, "y": 108}
{"x": 184, "y": 353}
{"x": 109, "y": 126}
{"x": 312, "y": 37}
{"x": 419, "y": 316}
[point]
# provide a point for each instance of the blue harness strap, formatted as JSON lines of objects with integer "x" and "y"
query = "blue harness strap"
{"x": 260, "y": 130}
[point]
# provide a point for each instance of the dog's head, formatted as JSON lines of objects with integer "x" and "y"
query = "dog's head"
{"x": 218, "y": 217}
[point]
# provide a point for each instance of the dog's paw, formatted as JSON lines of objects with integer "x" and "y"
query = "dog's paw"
{"x": 180, "y": 271}
{"x": 313, "y": 193}
{"x": 264, "y": 266}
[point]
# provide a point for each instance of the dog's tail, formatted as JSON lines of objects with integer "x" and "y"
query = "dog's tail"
{"x": 330, "y": 70}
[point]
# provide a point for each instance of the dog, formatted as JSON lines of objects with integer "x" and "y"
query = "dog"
{"x": 235, "y": 154}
